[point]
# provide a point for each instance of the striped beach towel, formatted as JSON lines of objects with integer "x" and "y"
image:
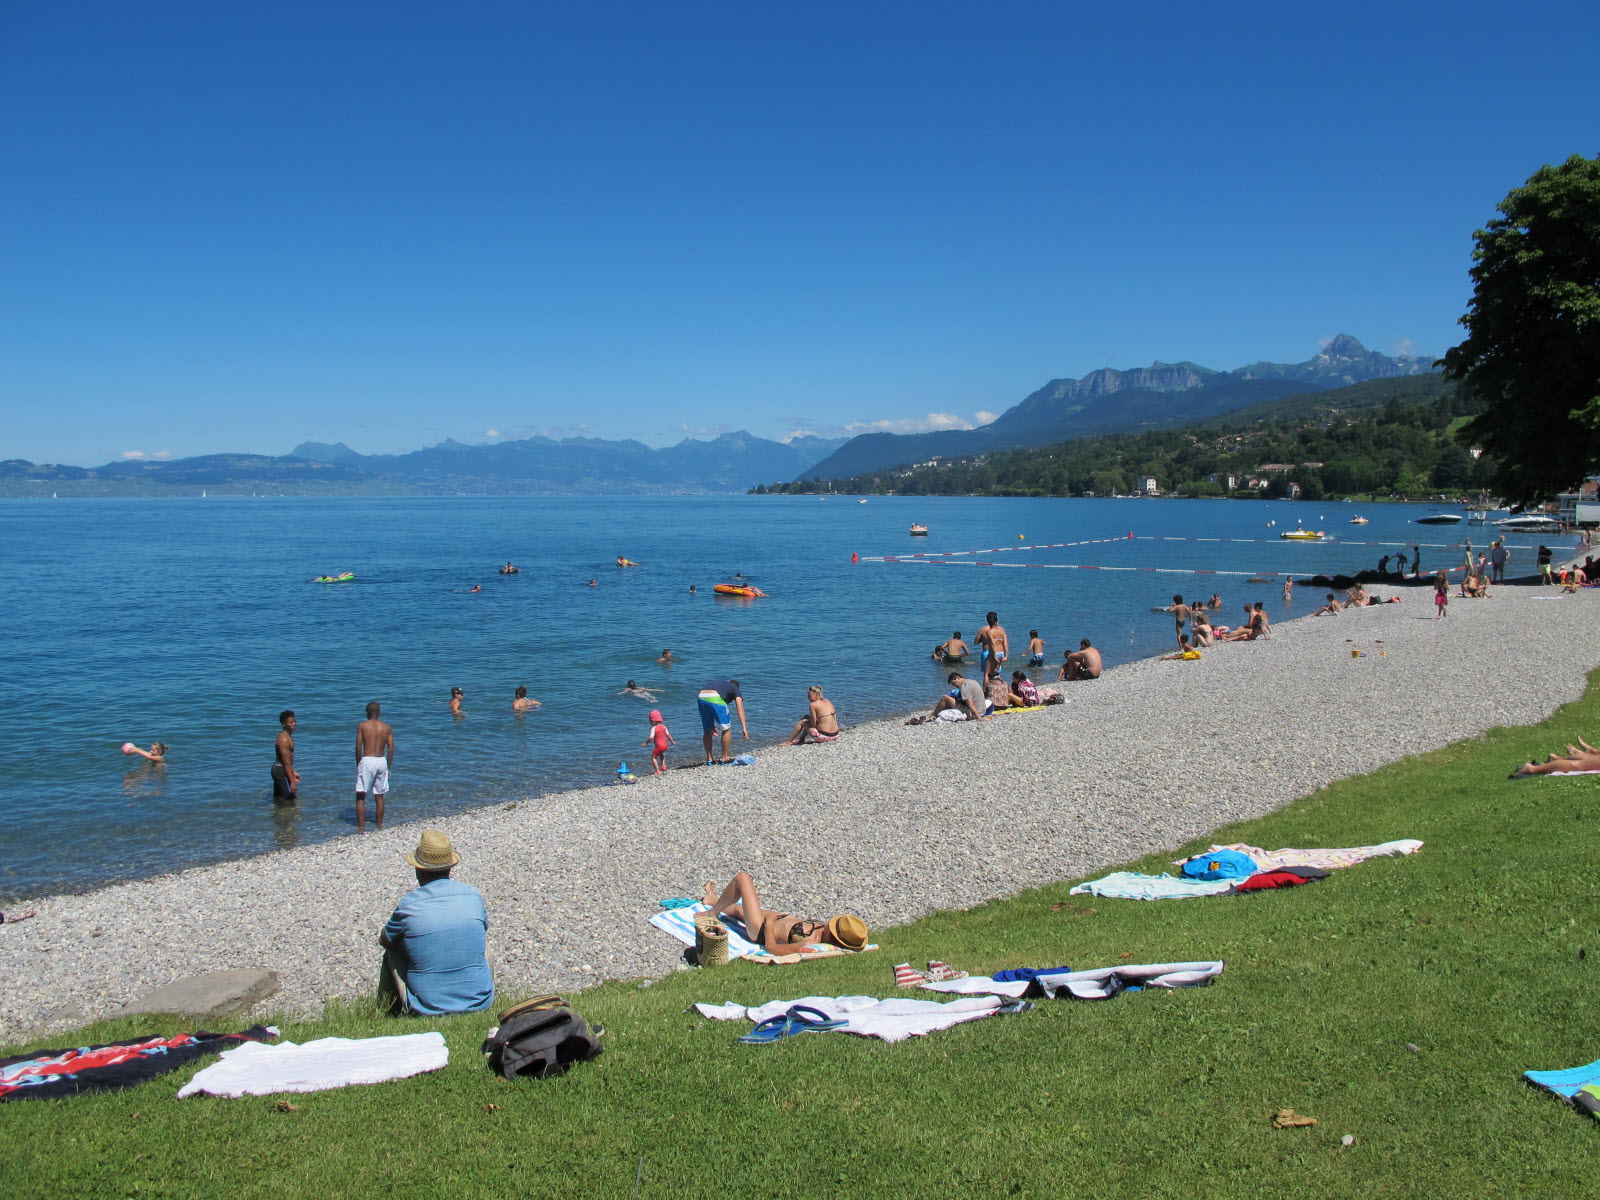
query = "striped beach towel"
{"x": 679, "y": 922}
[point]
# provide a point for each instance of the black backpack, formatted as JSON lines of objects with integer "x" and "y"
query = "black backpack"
{"x": 540, "y": 1038}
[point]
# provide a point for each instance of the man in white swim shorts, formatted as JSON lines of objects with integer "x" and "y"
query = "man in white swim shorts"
{"x": 374, "y": 756}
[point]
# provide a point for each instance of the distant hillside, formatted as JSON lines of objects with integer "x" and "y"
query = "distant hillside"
{"x": 1160, "y": 396}
{"x": 1382, "y": 437}
{"x": 531, "y": 466}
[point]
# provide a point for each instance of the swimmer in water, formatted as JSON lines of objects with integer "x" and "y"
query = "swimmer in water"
{"x": 666, "y": 658}
{"x": 508, "y": 569}
{"x": 523, "y": 702}
{"x": 625, "y": 562}
{"x": 1035, "y": 649}
{"x": 477, "y": 587}
{"x": 456, "y": 696}
{"x": 693, "y": 591}
{"x": 592, "y": 583}
{"x": 156, "y": 753}
{"x": 633, "y": 689}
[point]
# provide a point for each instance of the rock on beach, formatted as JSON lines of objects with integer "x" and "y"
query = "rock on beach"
{"x": 889, "y": 822}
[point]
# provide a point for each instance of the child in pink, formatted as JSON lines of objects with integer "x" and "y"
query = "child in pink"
{"x": 658, "y": 741}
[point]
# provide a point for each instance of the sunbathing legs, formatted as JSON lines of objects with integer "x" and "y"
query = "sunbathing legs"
{"x": 738, "y": 900}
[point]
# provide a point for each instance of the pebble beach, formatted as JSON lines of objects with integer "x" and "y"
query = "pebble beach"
{"x": 890, "y": 822}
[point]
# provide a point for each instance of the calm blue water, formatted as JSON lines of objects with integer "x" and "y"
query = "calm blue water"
{"x": 192, "y": 622}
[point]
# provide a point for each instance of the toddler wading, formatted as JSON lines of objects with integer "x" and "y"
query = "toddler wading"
{"x": 658, "y": 741}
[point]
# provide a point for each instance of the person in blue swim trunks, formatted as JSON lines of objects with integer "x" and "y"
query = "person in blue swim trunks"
{"x": 715, "y": 697}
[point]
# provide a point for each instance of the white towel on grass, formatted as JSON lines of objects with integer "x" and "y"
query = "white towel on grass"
{"x": 679, "y": 922}
{"x": 892, "y": 1020}
{"x": 978, "y": 985}
{"x": 256, "y": 1069}
{"x": 1104, "y": 982}
{"x": 1130, "y": 885}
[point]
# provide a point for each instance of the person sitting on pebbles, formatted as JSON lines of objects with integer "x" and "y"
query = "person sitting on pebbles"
{"x": 779, "y": 932}
{"x": 821, "y": 722}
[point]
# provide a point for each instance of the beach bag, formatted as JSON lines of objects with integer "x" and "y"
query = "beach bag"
{"x": 540, "y": 1038}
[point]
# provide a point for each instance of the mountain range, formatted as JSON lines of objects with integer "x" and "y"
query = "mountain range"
{"x": 731, "y": 462}
{"x": 1160, "y": 396}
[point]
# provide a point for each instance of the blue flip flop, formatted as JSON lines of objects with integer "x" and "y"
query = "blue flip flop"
{"x": 801, "y": 1018}
{"x": 769, "y": 1030}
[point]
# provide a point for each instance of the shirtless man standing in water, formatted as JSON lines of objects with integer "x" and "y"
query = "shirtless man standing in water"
{"x": 996, "y": 646}
{"x": 374, "y": 757}
{"x": 285, "y": 779}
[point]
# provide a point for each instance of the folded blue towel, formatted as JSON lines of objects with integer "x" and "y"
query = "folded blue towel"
{"x": 679, "y": 902}
{"x": 1019, "y": 974}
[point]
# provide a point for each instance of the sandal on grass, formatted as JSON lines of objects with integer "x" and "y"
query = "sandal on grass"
{"x": 801, "y": 1018}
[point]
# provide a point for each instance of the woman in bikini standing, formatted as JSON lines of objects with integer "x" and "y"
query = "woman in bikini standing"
{"x": 778, "y": 932}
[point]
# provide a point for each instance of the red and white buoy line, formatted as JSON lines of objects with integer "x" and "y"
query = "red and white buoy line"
{"x": 944, "y": 558}
{"x": 942, "y": 562}
{"x": 1323, "y": 541}
{"x": 995, "y": 550}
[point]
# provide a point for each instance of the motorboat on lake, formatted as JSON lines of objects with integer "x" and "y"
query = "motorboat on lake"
{"x": 1440, "y": 519}
{"x": 1530, "y": 523}
{"x": 919, "y": 531}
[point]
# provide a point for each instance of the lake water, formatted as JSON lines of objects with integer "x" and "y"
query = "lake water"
{"x": 193, "y": 622}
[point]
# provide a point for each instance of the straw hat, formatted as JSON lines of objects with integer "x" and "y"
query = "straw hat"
{"x": 434, "y": 853}
{"x": 847, "y": 931}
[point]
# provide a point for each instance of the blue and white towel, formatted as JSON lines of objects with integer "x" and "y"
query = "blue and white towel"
{"x": 679, "y": 922}
{"x": 1566, "y": 1083}
{"x": 1130, "y": 885}
{"x": 1105, "y": 982}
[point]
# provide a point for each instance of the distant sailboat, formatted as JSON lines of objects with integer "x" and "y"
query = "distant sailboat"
{"x": 202, "y": 493}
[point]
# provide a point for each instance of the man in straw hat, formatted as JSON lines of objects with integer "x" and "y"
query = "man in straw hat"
{"x": 436, "y": 944}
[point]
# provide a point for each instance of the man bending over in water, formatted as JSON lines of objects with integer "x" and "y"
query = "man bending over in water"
{"x": 285, "y": 779}
{"x": 778, "y": 932}
{"x": 1082, "y": 663}
{"x": 954, "y": 648}
{"x": 374, "y": 757}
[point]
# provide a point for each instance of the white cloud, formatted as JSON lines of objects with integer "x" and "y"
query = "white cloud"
{"x": 162, "y": 454}
{"x": 1404, "y": 348}
{"x": 130, "y": 454}
{"x": 985, "y": 418}
{"x": 491, "y": 433}
{"x": 933, "y": 421}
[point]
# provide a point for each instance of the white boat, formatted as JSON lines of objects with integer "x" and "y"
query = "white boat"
{"x": 919, "y": 531}
{"x": 1358, "y": 520}
{"x": 1530, "y": 523}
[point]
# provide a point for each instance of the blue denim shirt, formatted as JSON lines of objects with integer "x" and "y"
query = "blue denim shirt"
{"x": 440, "y": 932}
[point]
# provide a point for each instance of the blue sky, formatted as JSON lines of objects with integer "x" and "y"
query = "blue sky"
{"x": 237, "y": 226}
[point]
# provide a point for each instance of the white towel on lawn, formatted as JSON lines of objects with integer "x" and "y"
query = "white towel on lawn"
{"x": 1130, "y": 885}
{"x": 978, "y": 985}
{"x": 679, "y": 922}
{"x": 893, "y": 1020}
{"x": 1104, "y": 982}
{"x": 256, "y": 1069}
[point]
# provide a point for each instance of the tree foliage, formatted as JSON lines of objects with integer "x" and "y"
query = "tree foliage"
{"x": 1532, "y": 352}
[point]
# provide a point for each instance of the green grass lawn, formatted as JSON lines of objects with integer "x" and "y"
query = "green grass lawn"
{"x": 1478, "y": 951}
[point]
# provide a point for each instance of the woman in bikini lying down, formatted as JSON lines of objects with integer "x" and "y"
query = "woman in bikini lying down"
{"x": 1582, "y": 757}
{"x": 778, "y": 932}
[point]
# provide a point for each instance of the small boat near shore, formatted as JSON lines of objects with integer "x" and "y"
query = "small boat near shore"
{"x": 1303, "y": 535}
{"x": 1358, "y": 520}
{"x": 1530, "y": 523}
{"x": 919, "y": 531}
{"x": 1440, "y": 519}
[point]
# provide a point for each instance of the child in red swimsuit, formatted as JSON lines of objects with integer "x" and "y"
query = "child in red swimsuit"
{"x": 658, "y": 741}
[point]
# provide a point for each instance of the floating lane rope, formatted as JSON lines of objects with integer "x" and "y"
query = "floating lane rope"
{"x": 939, "y": 562}
{"x": 992, "y": 550}
{"x": 1328, "y": 541}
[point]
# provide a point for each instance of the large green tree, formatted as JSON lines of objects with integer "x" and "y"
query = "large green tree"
{"x": 1532, "y": 352}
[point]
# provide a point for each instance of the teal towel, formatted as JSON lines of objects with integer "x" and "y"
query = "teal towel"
{"x": 678, "y": 902}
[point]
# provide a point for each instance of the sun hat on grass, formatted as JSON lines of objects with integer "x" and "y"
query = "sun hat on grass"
{"x": 433, "y": 852}
{"x": 847, "y": 932}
